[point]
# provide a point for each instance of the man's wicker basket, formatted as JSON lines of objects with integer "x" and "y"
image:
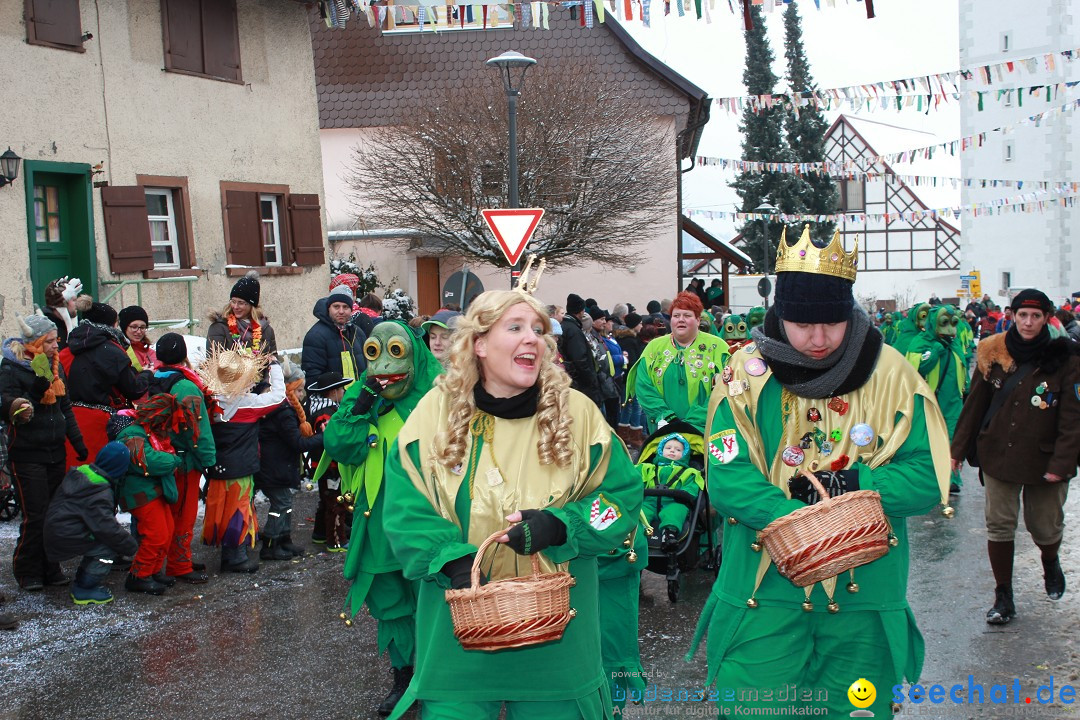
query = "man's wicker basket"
{"x": 821, "y": 541}
{"x": 510, "y": 613}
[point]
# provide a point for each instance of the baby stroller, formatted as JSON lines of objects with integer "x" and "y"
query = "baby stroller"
{"x": 697, "y": 545}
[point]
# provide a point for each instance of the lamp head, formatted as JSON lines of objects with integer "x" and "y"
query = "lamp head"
{"x": 9, "y": 167}
{"x": 509, "y": 62}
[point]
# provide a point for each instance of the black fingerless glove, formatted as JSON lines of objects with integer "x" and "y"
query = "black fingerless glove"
{"x": 459, "y": 572}
{"x": 367, "y": 397}
{"x": 538, "y": 530}
{"x": 836, "y": 483}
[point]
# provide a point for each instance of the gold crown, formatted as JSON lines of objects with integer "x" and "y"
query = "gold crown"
{"x": 806, "y": 257}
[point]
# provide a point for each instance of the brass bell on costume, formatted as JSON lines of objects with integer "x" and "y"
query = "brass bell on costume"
{"x": 948, "y": 511}
{"x": 631, "y": 557}
{"x": 367, "y": 513}
{"x": 755, "y": 546}
{"x": 807, "y": 606}
{"x": 627, "y": 542}
{"x": 350, "y": 508}
{"x": 348, "y": 623}
{"x": 853, "y": 587}
{"x": 751, "y": 603}
{"x": 732, "y": 521}
{"x": 893, "y": 540}
{"x": 833, "y": 607}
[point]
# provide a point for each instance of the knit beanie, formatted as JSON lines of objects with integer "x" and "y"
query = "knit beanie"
{"x": 95, "y": 312}
{"x": 247, "y": 288}
{"x": 112, "y": 460}
{"x": 574, "y": 304}
{"x": 130, "y": 314}
{"x": 813, "y": 298}
{"x": 352, "y": 281}
{"x": 632, "y": 320}
{"x": 35, "y": 326}
{"x": 340, "y": 293}
{"x": 653, "y": 307}
{"x": 596, "y": 313}
{"x": 1032, "y": 299}
{"x": 171, "y": 349}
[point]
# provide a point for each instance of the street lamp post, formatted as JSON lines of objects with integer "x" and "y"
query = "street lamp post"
{"x": 512, "y": 67}
{"x": 766, "y": 209}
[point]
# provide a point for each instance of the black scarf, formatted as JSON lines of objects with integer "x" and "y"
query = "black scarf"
{"x": 519, "y": 406}
{"x": 795, "y": 374}
{"x": 1025, "y": 351}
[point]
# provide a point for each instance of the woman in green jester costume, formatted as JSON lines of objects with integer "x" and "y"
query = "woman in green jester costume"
{"x": 400, "y": 370}
{"x": 503, "y": 441}
{"x": 938, "y": 356}
{"x": 675, "y": 374}
{"x": 821, "y": 393}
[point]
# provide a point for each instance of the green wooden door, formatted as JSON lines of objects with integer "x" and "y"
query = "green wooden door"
{"x": 60, "y": 224}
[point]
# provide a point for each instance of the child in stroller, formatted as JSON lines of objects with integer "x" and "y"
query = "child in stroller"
{"x": 676, "y": 507}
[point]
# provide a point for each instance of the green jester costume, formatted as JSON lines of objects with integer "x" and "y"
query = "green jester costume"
{"x": 858, "y": 418}
{"x": 939, "y": 357}
{"x": 671, "y": 381}
{"x": 358, "y": 437}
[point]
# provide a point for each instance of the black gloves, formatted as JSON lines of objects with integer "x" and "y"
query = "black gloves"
{"x": 538, "y": 530}
{"x": 669, "y": 539}
{"x": 836, "y": 483}
{"x": 367, "y": 397}
{"x": 459, "y": 572}
{"x": 81, "y": 453}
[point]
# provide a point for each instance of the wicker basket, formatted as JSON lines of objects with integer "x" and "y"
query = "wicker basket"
{"x": 510, "y": 613}
{"x": 823, "y": 540}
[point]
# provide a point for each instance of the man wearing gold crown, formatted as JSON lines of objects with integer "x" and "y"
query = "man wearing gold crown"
{"x": 816, "y": 391}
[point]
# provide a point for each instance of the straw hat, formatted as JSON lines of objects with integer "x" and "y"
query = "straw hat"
{"x": 232, "y": 372}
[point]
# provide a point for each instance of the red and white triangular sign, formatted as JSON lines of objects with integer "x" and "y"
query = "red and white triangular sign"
{"x": 513, "y": 228}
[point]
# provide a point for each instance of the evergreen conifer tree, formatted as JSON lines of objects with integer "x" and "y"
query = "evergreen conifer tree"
{"x": 806, "y": 128}
{"x": 764, "y": 141}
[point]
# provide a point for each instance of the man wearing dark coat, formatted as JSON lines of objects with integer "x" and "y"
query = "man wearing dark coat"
{"x": 334, "y": 343}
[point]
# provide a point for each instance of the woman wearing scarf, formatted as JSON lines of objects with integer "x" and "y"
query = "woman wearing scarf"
{"x": 33, "y": 381}
{"x": 241, "y": 321}
{"x": 134, "y": 322}
{"x": 103, "y": 380}
{"x": 816, "y": 390}
{"x": 1023, "y": 419}
{"x": 675, "y": 375}
{"x": 502, "y": 440}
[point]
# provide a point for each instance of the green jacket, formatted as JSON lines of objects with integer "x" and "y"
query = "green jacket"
{"x": 150, "y": 474}
{"x": 672, "y": 382}
{"x": 943, "y": 366}
{"x": 673, "y": 476}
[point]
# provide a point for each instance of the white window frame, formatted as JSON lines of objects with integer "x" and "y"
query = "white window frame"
{"x": 1009, "y": 151}
{"x": 1006, "y": 42}
{"x": 275, "y": 228}
{"x": 170, "y": 224}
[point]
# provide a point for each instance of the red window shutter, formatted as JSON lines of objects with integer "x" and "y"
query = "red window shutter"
{"x": 221, "y": 39}
{"x": 182, "y": 29}
{"x": 243, "y": 228}
{"x": 54, "y": 21}
{"x": 127, "y": 231}
{"x": 305, "y": 221}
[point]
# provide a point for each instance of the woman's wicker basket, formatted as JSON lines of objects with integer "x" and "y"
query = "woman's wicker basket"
{"x": 510, "y": 613}
{"x": 823, "y": 540}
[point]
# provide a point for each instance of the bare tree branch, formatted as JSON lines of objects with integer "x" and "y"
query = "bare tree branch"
{"x": 602, "y": 168}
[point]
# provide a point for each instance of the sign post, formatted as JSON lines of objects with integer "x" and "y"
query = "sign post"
{"x": 513, "y": 228}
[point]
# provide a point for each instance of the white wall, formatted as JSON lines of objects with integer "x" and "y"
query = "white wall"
{"x": 114, "y": 103}
{"x": 1039, "y": 248}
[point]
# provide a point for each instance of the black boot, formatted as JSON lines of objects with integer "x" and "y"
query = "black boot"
{"x": 146, "y": 585}
{"x": 1054, "y": 579}
{"x": 286, "y": 543}
{"x": 1003, "y": 610}
{"x": 272, "y": 550}
{"x": 237, "y": 560}
{"x": 166, "y": 580}
{"x": 402, "y": 678}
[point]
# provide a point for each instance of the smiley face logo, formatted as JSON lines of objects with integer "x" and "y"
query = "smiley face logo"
{"x": 862, "y": 693}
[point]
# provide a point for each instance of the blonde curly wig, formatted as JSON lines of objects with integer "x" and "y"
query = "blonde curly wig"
{"x": 463, "y": 372}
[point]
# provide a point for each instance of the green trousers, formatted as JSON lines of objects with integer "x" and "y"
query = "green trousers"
{"x": 391, "y": 600}
{"x": 590, "y": 707}
{"x": 619, "y": 635}
{"x": 780, "y": 657}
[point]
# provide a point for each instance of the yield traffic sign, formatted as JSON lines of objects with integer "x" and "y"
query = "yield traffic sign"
{"x": 513, "y": 228}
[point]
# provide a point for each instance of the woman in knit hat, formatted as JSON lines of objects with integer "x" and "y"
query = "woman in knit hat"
{"x": 103, "y": 379}
{"x": 31, "y": 372}
{"x": 134, "y": 323}
{"x": 241, "y": 322}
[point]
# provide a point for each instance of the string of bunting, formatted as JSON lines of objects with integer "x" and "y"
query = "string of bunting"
{"x": 839, "y": 169}
{"x": 386, "y": 14}
{"x": 923, "y": 92}
{"x": 994, "y": 207}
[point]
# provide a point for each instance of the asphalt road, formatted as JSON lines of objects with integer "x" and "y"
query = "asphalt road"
{"x": 271, "y": 644}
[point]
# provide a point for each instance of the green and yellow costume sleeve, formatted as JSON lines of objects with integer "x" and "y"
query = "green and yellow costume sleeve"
{"x": 672, "y": 382}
